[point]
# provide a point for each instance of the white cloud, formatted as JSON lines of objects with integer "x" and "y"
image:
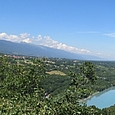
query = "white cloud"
{"x": 24, "y": 35}
{"x": 55, "y": 44}
{"x": 27, "y": 40}
{"x": 39, "y": 37}
{"x": 45, "y": 41}
{"x": 110, "y": 35}
{"x": 3, "y": 35}
{"x": 13, "y": 38}
{"x": 99, "y": 53}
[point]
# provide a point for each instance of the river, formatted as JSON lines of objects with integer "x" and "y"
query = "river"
{"x": 102, "y": 99}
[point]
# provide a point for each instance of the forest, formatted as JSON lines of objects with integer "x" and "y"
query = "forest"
{"x": 52, "y": 86}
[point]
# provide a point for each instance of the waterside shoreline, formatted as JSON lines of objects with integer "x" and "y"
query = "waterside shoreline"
{"x": 83, "y": 100}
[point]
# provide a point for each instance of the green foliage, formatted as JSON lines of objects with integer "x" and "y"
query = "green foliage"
{"x": 21, "y": 79}
{"x": 109, "y": 111}
{"x": 24, "y": 84}
{"x": 55, "y": 84}
{"x": 88, "y": 71}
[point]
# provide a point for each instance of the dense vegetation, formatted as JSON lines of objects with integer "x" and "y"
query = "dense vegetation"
{"x": 35, "y": 86}
{"x": 105, "y": 71}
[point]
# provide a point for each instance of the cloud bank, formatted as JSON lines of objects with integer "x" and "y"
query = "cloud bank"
{"x": 45, "y": 41}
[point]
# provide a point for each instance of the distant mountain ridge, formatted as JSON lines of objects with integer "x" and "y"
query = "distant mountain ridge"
{"x": 40, "y": 51}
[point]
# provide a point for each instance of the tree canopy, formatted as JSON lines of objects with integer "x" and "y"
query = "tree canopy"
{"x": 21, "y": 91}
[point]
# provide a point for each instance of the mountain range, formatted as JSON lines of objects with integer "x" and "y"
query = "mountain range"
{"x": 23, "y": 48}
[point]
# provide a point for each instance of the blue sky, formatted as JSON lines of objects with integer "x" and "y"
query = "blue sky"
{"x": 79, "y": 26}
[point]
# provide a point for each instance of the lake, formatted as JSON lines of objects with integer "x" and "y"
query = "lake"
{"x": 102, "y": 99}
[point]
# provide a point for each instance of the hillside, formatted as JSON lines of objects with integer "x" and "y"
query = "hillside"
{"x": 30, "y": 86}
{"x": 40, "y": 51}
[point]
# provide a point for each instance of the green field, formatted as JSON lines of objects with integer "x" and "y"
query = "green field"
{"x": 56, "y": 72}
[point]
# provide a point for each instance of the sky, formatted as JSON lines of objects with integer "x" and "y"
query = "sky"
{"x": 78, "y": 26}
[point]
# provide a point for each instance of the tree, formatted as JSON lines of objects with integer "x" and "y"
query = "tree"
{"x": 87, "y": 70}
{"x": 21, "y": 93}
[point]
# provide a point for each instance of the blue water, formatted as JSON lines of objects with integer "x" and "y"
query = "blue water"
{"x": 103, "y": 99}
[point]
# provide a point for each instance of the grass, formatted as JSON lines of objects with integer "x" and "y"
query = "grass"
{"x": 56, "y": 72}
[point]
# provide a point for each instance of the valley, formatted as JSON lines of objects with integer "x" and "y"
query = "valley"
{"x": 22, "y": 76}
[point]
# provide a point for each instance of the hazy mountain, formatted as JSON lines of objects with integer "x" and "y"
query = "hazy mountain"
{"x": 38, "y": 50}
